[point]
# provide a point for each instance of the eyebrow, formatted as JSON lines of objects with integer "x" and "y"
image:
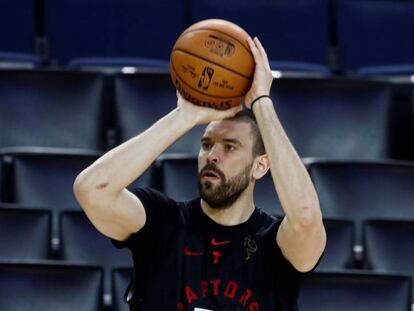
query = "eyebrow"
{"x": 227, "y": 140}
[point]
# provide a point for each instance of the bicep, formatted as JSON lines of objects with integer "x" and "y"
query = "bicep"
{"x": 302, "y": 248}
{"x": 120, "y": 217}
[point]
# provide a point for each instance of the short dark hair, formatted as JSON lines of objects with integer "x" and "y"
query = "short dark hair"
{"x": 246, "y": 115}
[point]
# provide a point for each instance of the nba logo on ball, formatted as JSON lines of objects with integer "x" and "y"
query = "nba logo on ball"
{"x": 206, "y": 77}
{"x": 211, "y": 64}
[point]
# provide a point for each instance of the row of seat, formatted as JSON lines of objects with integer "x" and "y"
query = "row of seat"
{"x": 336, "y": 118}
{"x": 27, "y": 236}
{"x": 47, "y": 287}
{"x": 354, "y": 190}
{"x": 307, "y": 36}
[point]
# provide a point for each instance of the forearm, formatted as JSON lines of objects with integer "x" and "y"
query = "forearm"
{"x": 119, "y": 167}
{"x": 293, "y": 184}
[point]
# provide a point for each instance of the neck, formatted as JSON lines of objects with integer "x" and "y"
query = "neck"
{"x": 239, "y": 212}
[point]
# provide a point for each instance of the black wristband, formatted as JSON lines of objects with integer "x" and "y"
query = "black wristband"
{"x": 256, "y": 99}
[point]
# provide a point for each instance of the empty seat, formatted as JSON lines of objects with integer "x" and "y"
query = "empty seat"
{"x": 336, "y": 118}
{"x": 50, "y": 287}
{"x": 17, "y": 26}
{"x": 115, "y": 65}
{"x": 81, "y": 242}
{"x": 18, "y": 60}
{"x": 389, "y": 246}
{"x": 323, "y": 291}
{"x": 339, "y": 245}
{"x": 26, "y": 233}
{"x": 121, "y": 277}
{"x": 45, "y": 177}
{"x": 363, "y": 190}
{"x": 51, "y": 109}
{"x": 375, "y": 36}
{"x": 294, "y": 34}
{"x": 179, "y": 176}
{"x": 142, "y": 99}
{"x": 111, "y": 28}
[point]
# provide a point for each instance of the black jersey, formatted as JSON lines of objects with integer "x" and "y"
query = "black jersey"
{"x": 183, "y": 260}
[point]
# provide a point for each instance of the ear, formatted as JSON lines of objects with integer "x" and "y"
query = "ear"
{"x": 260, "y": 166}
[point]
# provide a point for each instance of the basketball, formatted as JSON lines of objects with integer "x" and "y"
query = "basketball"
{"x": 211, "y": 64}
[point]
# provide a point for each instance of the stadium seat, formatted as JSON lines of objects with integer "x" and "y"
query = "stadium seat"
{"x": 18, "y": 61}
{"x": 336, "y": 118}
{"x": 339, "y": 246}
{"x": 120, "y": 281}
{"x": 179, "y": 176}
{"x": 26, "y": 233}
{"x": 294, "y": 34}
{"x": 142, "y": 99}
{"x": 327, "y": 291}
{"x": 50, "y": 287}
{"x": 389, "y": 246}
{"x": 45, "y": 177}
{"x": 112, "y": 28}
{"x": 51, "y": 109}
{"x": 115, "y": 65}
{"x": 364, "y": 190}
{"x": 17, "y": 26}
{"x": 359, "y": 23}
{"x": 81, "y": 242}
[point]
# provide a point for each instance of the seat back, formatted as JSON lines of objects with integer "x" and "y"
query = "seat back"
{"x": 26, "y": 233}
{"x": 360, "y": 21}
{"x": 51, "y": 109}
{"x": 364, "y": 190}
{"x": 50, "y": 287}
{"x": 112, "y": 28}
{"x": 335, "y": 118}
{"x": 17, "y": 26}
{"x": 358, "y": 292}
{"x": 121, "y": 278}
{"x": 141, "y": 100}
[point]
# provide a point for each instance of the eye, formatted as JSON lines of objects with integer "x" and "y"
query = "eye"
{"x": 228, "y": 147}
{"x": 205, "y": 145}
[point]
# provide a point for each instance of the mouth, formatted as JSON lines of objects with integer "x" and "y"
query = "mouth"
{"x": 210, "y": 175}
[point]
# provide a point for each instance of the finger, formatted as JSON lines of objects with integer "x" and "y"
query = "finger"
{"x": 262, "y": 51}
{"x": 253, "y": 48}
{"x": 232, "y": 111}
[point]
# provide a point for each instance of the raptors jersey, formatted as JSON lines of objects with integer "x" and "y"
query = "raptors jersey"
{"x": 183, "y": 260}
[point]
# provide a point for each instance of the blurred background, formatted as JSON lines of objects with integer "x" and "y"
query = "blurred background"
{"x": 79, "y": 77}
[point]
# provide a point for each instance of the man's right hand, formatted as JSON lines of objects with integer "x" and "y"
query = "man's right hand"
{"x": 202, "y": 115}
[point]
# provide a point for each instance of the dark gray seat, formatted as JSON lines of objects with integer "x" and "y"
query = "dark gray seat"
{"x": 389, "y": 246}
{"x": 327, "y": 291}
{"x": 364, "y": 190}
{"x": 50, "y": 287}
{"x": 26, "y": 233}
{"x": 51, "y": 109}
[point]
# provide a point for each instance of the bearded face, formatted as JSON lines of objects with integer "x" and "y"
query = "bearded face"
{"x": 218, "y": 191}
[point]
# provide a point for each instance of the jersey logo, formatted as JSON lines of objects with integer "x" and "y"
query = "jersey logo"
{"x": 218, "y": 243}
{"x": 251, "y": 247}
{"x": 188, "y": 252}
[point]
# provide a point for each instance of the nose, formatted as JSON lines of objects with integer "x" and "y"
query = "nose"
{"x": 213, "y": 155}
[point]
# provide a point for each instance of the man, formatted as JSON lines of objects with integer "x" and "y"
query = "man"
{"x": 217, "y": 252}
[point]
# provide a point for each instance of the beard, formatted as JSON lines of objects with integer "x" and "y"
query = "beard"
{"x": 226, "y": 192}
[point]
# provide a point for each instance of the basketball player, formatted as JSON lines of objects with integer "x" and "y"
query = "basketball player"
{"x": 217, "y": 252}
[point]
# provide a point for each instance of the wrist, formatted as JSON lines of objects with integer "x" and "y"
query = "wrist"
{"x": 256, "y": 101}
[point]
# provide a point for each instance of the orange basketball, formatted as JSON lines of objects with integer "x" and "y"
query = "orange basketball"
{"x": 211, "y": 64}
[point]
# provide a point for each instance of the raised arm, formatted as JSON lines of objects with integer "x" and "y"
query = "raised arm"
{"x": 301, "y": 235}
{"x": 101, "y": 188}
